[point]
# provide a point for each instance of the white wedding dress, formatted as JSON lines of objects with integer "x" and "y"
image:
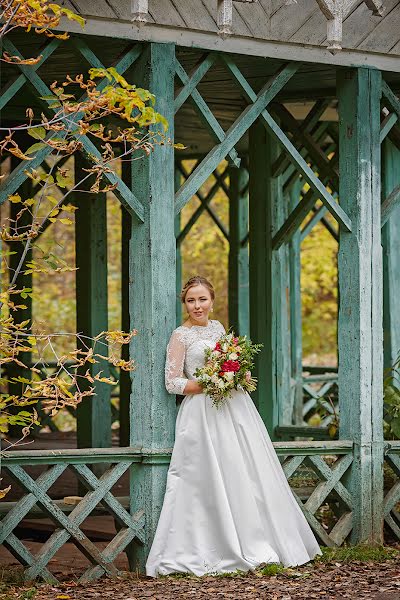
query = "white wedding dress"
{"x": 227, "y": 504}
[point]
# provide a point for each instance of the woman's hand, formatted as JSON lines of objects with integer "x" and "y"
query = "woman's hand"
{"x": 193, "y": 387}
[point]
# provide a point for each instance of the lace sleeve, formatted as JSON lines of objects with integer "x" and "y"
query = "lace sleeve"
{"x": 175, "y": 382}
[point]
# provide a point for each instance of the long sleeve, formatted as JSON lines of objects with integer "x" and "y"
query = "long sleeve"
{"x": 175, "y": 381}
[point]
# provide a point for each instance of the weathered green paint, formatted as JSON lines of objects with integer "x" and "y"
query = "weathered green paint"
{"x": 234, "y": 134}
{"x": 360, "y": 284}
{"x": 93, "y": 413}
{"x": 13, "y": 182}
{"x": 264, "y": 192}
{"x": 205, "y": 114}
{"x": 296, "y": 337}
{"x": 124, "y": 377}
{"x": 152, "y": 298}
{"x": 293, "y": 153}
{"x": 387, "y": 124}
{"x": 391, "y": 257}
{"x": 178, "y": 282}
{"x": 238, "y": 285}
{"x": 389, "y": 204}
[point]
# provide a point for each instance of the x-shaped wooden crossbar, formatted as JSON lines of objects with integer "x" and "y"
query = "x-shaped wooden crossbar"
{"x": 12, "y": 183}
{"x": 131, "y": 525}
{"x": 330, "y": 481}
{"x": 392, "y": 498}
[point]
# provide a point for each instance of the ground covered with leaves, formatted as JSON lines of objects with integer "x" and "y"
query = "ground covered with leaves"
{"x": 356, "y": 573}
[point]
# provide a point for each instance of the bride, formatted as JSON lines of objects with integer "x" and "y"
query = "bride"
{"x": 227, "y": 504}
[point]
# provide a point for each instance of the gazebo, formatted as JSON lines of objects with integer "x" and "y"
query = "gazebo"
{"x": 293, "y": 110}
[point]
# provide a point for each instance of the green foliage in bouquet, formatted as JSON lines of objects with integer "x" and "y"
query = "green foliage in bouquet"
{"x": 227, "y": 367}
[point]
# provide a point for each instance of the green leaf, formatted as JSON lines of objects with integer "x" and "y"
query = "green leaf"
{"x": 38, "y": 133}
{"x": 35, "y": 148}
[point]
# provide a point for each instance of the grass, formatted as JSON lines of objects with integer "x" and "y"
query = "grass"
{"x": 361, "y": 553}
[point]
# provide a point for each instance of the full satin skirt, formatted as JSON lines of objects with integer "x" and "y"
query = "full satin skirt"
{"x": 227, "y": 504}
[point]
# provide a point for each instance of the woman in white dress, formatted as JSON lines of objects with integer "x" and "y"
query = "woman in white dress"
{"x": 227, "y": 504}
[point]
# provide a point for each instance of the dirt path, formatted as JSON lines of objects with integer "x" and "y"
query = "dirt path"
{"x": 331, "y": 580}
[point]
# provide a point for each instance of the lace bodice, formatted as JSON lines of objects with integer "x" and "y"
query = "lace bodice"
{"x": 185, "y": 353}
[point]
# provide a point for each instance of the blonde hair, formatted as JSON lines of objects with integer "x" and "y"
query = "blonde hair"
{"x": 197, "y": 280}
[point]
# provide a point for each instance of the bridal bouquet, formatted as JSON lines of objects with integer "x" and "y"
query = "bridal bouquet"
{"x": 227, "y": 366}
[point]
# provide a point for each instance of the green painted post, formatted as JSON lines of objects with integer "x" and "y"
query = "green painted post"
{"x": 178, "y": 182}
{"x": 264, "y": 192}
{"x": 152, "y": 301}
{"x": 360, "y": 281}
{"x": 124, "y": 376}
{"x": 93, "y": 413}
{"x": 238, "y": 252}
{"x": 391, "y": 257}
{"x": 296, "y": 338}
{"x": 19, "y": 225}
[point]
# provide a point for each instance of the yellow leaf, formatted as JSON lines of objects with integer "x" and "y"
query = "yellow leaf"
{"x": 15, "y": 198}
{"x": 65, "y": 221}
{"x": 4, "y": 492}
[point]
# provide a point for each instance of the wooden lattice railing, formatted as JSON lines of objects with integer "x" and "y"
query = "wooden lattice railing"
{"x": 391, "y": 509}
{"x": 314, "y": 469}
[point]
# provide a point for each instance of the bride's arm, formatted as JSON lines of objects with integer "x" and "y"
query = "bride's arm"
{"x": 175, "y": 381}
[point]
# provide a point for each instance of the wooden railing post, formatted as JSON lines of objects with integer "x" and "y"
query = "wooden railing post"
{"x": 391, "y": 257}
{"x": 268, "y": 278}
{"x": 93, "y": 413}
{"x": 152, "y": 300}
{"x": 238, "y": 251}
{"x": 360, "y": 283}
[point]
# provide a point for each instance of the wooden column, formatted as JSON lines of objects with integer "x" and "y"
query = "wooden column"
{"x": 238, "y": 251}
{"x": 296, "y": 336}
{"x": 178, "y": 181}
{"x": 124, "y": 376}
{"x": 152, "y": 302}
{"x": 360, "y": 282}
{"x": 94, "y": 413}
{"x": 391, "y": 257}
{"x": 265, "y": 196}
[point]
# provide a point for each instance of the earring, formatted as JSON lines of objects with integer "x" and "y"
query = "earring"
{"x": 212, "y": 309}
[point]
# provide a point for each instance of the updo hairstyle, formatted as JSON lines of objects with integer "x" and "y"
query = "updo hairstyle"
{"x": 197, "y": 280}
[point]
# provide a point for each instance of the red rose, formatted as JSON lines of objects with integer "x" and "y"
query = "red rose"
{"x": 230, "y": 365}
{"x": 218, "y": 347}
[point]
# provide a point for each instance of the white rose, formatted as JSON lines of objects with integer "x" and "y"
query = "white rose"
{"x": 233, "y": 356}
{"x": 221, "y": 384}
{"x": 224, "y": 347}
{"x": 214, "y": 378}
{"x": 229, "y": 375}
{"x": 216, "y": 353}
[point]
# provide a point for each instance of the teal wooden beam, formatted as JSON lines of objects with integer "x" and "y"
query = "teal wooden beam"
{"x": 152, "y": 300}
{"x": 178, "y": 283}
{"x": 307, "y": 126}
{"x": 390, "y": 204}
{"x": 391, "y": 98}
{"x": 13, "y": 86}
{"x": 294, "y": 220}
{"x": 315, "y": 152}
{"x": 238, "y": 273}
{"x": 387, "y": 125}
{"x": 314, "y": 220}
{"x": 360, "y": 306}
{"x": 204, "y": 206}
{"x": 296, "y": 335}
{"x": 124, "y": 376}
{"x": 293, "y": 153}
{"x": 93, "y": 413}
{"x": 17, "y": 226}
{"x": 205, "y": 114}
{"x": 391, "y": 256}
{"x": 193, "y": 79}
{"x": 264, "y": 191}
{"x": 18, "y": 175}
{"x": 291, "y": 173}
{"x": 234, "y": 134}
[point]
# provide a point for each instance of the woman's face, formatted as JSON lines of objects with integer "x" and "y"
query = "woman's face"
{"x": 198, "y": 304}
